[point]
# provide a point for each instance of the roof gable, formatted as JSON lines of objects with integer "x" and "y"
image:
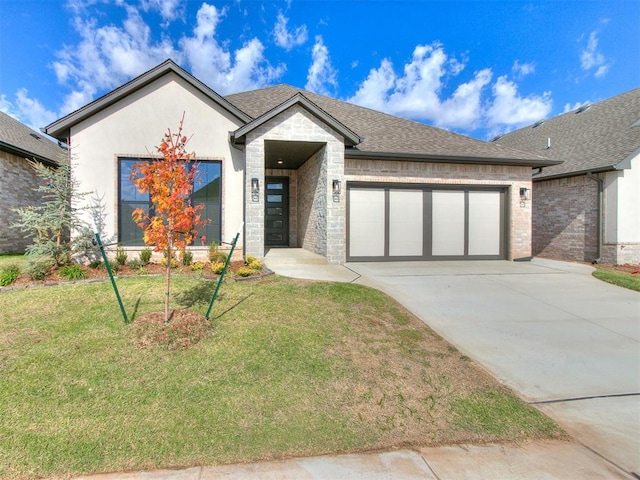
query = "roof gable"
{"x": 350, "y": 137}
{"x": 598, "y": 137}
{"x": 61, "y": 127}
{"x": 18, "y": 139}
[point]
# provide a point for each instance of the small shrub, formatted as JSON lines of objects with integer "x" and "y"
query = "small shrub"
{"x": 145, "y": 256}
{"x": 197, "y": 267}
{"x": 38, "y": 267}
{"x": 213, "y": 250}
{"x": 115, "y": 266}
{"x": 219, "y": 257}
{"x": 217, "y": 267}
{"x": 245, "y": 271}
{"x": 255, "y": 265}
{"x": 174, "y": 262}
{"x": 95, "y": 264}
{"x": 141, "y": 271}
{"x": 121, "y": 256}
{"x": 72, "y": 272}
{"x": 187, "y": 258}
{"x": 9, "y": 274}
{"x": 250, "y": 258}
{"x": 134, "y": 264}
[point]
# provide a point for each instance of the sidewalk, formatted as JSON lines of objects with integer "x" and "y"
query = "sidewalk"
{"x": 535, "y": 461}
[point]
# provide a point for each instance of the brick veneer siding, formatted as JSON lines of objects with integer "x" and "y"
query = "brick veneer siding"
{"x": 514, "y": 177}
{"x": 565, "y": 218}
{"x": 17, "y": 183}
{"x": 324, "y": 232}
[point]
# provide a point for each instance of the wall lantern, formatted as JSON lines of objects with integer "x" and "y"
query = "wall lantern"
{"x": 336, "y": 190}
{"x": 525, "y": 194}
{"x": 255, "y": 190}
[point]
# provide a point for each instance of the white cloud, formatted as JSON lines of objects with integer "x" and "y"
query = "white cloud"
{"x": 286, "y": 39}
{"x": 321, "y": 74}
{"x": 169, "y": 9}
{"x": 521, "y": 70}
{"x": 417, "y": 93}
{"x": 509, "y": 108}
{"x": 591, "y": 58}
{"x": 568, "y": 107}
{"x": 212, "y": 63}
{"x": 27, "y": 110}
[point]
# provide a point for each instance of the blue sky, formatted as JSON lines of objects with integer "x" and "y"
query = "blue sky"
{"x": 475, "y": 67}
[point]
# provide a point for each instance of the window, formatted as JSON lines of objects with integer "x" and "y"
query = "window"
{"x": 206, "y": 191}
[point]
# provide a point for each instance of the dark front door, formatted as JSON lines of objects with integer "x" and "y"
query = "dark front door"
{"x": 276, "y": 214}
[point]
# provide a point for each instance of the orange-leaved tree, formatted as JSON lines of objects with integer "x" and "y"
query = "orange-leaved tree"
{"x": 173, "y": 221}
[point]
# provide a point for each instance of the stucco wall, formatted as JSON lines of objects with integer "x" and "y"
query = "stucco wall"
{"x": 134, "y": 125}
{"x": 514, "y": 177}
{"x": 17, "y": 183}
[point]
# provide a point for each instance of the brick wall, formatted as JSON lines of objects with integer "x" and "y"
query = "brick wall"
{"x": 17, "y": 183}
{"x": 565, "y": 218}
{"x": 513, "y": 177}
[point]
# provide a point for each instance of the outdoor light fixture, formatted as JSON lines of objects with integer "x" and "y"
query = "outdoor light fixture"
{"x": 525, "y": 194}
{"x": 336, "y": 190}
{"x": 255, "y": 190}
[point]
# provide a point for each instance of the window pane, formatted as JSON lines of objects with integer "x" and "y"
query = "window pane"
{"x": 128, "y": 191}
{"x": 207, "y": 183}
{"x": 274, "y": 198}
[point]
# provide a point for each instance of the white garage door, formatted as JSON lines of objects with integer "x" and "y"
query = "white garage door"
{"x": 424, "y": 223}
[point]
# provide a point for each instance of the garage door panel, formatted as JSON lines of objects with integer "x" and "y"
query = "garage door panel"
{"x": 447, "y": 236}
{"x": 484, "y": 223}
{"x": 366, "y": 222}
{"x": 406, "y": 218}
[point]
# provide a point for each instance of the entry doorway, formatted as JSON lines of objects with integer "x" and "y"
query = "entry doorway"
{"x": 276, "y": 214}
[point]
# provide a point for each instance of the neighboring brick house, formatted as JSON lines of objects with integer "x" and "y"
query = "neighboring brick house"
{"x": 18, "y": 144}
{"x": 304, "y": 170}
{"x": 588, "y": 207}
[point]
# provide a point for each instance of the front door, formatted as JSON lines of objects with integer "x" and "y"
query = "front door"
{"x": 276, "y": 214}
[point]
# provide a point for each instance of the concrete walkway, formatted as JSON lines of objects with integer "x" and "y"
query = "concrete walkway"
{"x": 544, "y": 460}
{"x": 547, "y": 329}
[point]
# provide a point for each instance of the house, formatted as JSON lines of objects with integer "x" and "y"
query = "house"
{"x": 18, "y": 145}
{"x": 588, "y": 207}
{"x": 308, "y": 171}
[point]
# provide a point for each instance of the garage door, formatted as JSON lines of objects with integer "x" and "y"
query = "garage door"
{"x": 424, "y": 223}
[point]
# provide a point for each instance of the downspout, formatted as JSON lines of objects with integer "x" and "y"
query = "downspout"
{"x": 244, "y": 195}
{"x": 599, "y": 219}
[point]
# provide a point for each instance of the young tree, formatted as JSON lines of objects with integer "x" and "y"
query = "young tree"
{"x": 173, "y": 222}
{"x": 51, "y": 223}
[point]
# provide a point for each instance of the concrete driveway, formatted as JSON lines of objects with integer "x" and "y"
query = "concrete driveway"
{"x": 568, "y": 343}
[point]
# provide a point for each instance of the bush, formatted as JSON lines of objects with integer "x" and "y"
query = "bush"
{"x": 121, "y": 256}
{"x": 38, "y": 267}
{"x": 245, "y": 271}
{"x": 9, "y": 274}
{"x": 145, "y": 256}
{"x": 72, "y": 272}
{"x": 134, "y": 264}
{"x": 141, "y": 271}
{"x": 217, "y": 267}
{"x": 95, "y": 264}
{"x": 213, "y": 250}
{"x": 174, "y": 262}
{"x": 187, "y": 258}
{"x": 197, "y": 267}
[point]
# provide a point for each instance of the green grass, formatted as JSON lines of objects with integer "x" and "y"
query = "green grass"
{"x": 289, "y": 368}
{"x": 9, "y": 259}
{"x": 617, "y": 277}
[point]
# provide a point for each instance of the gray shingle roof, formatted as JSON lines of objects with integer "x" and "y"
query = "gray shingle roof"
{"x": 18, "y": 139}
{"x": 387, "y": 134}
{"x": 593, "y": 139}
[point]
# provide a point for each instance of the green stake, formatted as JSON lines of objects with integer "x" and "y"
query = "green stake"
{"x": 224, "y": 270}
{"x": 113, "y": 281}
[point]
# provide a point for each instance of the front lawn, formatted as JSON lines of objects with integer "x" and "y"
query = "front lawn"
{"x": 621, "y": 275}
{"x": 288, "y": 368}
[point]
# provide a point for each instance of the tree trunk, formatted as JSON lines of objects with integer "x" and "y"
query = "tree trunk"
{"x": 167, "y": 282}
